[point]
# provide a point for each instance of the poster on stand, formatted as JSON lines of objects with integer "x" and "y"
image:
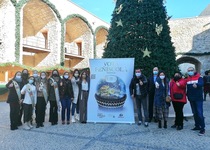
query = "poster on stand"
{"x": 109, "y": 98}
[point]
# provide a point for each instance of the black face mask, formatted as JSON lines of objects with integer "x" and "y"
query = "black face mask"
{"x": 25, "y": 75}
{"x": 55, "y": 75}
{"x": 176, "y": 78}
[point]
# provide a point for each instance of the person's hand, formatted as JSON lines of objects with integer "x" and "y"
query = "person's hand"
{"x": 52, "y": 84}
{"x": 177, "y": 83}
{"x": 21, "y": 101}
{"x": 61, "y": 84}
{"x": 194, "y": 85}
{"x": 156, "y": 85}
{"x": 140, "y": 82}
{"x": 11, "y": 85}
{"x": 132, "y": 96}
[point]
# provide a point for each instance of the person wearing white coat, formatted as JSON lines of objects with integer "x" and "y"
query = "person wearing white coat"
{"x": 29, "y": 102}
{"x": 75, "y": 103}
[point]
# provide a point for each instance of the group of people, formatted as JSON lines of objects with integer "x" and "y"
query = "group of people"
{"x": 156, "y": 93}
{"x": 30, "y": 94}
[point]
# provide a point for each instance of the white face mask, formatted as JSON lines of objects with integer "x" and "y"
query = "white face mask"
{"x": 162, "y": 77}
{"x": 66, "y": 76}
{"x": 35, "y": 75}
{"x": 43, "y": 76}
{"x": 76, "y": 74}
{"x": 138, "y": 74}
{"x": 30, "y": 81}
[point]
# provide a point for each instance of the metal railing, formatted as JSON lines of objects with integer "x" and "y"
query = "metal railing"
{"x": 38, "y": 42}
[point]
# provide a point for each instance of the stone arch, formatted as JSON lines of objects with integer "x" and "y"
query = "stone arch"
{"x": 190, "y": 60}
{"x": 101, "y": 33}
{"x": 41, "y": 34}
{"x": 19, "y": 6}
{"x": 78, "y": 40}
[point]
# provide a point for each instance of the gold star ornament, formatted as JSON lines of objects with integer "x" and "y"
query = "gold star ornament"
{"x": 146, "y": 53}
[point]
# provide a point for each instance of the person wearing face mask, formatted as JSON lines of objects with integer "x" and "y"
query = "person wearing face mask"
{"x": 36, "y": 77}
{"x": 195, "y": 97}
{"x": 138, "y": 91}
{"x": 42, "y": 98}
{"x": 66, "y": 96}
{"x": 53, "y": 86}
{"x": 75, "y": 103}
{"x": 178, "y": 97}
{"x": 151, "y": 93}
{"x": 24, "y": 76}
{"x": 161, "y": 92}
{"x": 15, "y": 99}
{"x": 84, "y": 86}
{"x": 29, "y": 102}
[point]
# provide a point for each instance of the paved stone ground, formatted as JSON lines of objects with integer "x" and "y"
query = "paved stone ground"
{"x": 103, "y": 136}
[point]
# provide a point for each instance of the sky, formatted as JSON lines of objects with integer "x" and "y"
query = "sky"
{"x": 175, "y": 8}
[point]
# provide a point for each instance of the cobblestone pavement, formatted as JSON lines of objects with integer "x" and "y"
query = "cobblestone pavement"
{"x": 92, "y": 136}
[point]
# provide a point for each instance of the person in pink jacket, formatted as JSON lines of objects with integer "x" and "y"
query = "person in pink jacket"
{"x": 178, "y": 97}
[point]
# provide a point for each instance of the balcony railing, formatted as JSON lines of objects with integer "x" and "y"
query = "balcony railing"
{"x": 38, "y": 42}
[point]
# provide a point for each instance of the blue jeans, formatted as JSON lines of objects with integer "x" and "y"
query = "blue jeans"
{"x": 74, "y": 106}
{"x": 197, "y": 109}
{"x": 66, "y": 104}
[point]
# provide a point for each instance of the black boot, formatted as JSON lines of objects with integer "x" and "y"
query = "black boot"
{"x": 159, "y": 124}
{"x": 165, "y": 124}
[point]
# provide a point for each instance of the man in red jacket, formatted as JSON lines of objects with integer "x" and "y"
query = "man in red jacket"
{"x": 195, "y": 96}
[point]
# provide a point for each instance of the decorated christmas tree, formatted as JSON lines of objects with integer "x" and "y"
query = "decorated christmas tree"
{"x": 139, "y": 29}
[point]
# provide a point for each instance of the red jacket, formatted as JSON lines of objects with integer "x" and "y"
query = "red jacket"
{"x": 178, "y": 89}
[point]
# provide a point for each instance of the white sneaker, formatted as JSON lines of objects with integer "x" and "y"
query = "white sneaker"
{"x": 29, "y": 125}
{"x": 77, "y": 117}
{"x": 26, "y": 127}
{"x": 73, "y": 119}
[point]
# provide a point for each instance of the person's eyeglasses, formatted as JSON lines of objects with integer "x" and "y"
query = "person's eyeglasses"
{"x": 190, "y": 70}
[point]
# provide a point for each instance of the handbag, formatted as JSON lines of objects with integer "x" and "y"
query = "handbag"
{"x": 168, "y": 99}
{"x": 178, "y": 95}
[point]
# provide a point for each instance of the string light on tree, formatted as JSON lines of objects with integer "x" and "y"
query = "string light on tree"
{"x": 146, "y": 52}
{"x": 140, "y": 1}
{"x": 119, "y": 9}
{"x": 158, "y": 29}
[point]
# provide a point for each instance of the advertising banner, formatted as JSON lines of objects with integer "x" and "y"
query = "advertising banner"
{"x": 109, "y": 98}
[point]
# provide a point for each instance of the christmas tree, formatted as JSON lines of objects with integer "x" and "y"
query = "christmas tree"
{"x": 139, "y": 29}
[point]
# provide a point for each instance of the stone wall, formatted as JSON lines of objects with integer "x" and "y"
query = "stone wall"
{"x": 7, "y": 31}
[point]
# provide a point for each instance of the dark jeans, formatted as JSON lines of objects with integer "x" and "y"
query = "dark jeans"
{"x": 66, "y": 104}
{"x": 40, "y": 110}
{"x": 197, "y": 109}
{"x": 53, "y": 112}
{"x": 27, "y": 108}
{"x": 142, "y": 102}
{"x": 14, "y": 114}
{"x": 75, "y": 106}
{"x": 20, "y": 114}
{"x": 178, "y": 108}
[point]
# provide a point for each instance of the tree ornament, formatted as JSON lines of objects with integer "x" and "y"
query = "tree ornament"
{"x": 158, "y": 29}
{"x": 119, "y": 23}
{"x": 146, "y": 52}
{"x": 140, "y": 1}
{"x": 119, "y": 9}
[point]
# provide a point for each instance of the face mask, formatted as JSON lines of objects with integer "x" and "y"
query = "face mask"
{"x": 35, "y": 75}
{"x": 84, "y": 76}
{"x": 76, "y": 74}
{"x": 55, "y": 75}
{"x": 155, "y": 72}
{"x": 162, "y": 77}
{"x": 18, "y": 78}
{"x": 43, "y": 76}
{"x": 176, "y": 78}
{"x": 190, "y": 73}
{"x": 30, "y": 81}
{"x": 25, "y": 75}
{"x": 138, "y": 74}
{"x": 66, "y": 76}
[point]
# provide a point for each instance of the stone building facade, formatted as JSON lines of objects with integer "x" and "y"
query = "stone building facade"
{"x": 42, "y": 33}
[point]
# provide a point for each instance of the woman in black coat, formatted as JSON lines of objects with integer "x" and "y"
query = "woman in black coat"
{"x": 14, "y": 99}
